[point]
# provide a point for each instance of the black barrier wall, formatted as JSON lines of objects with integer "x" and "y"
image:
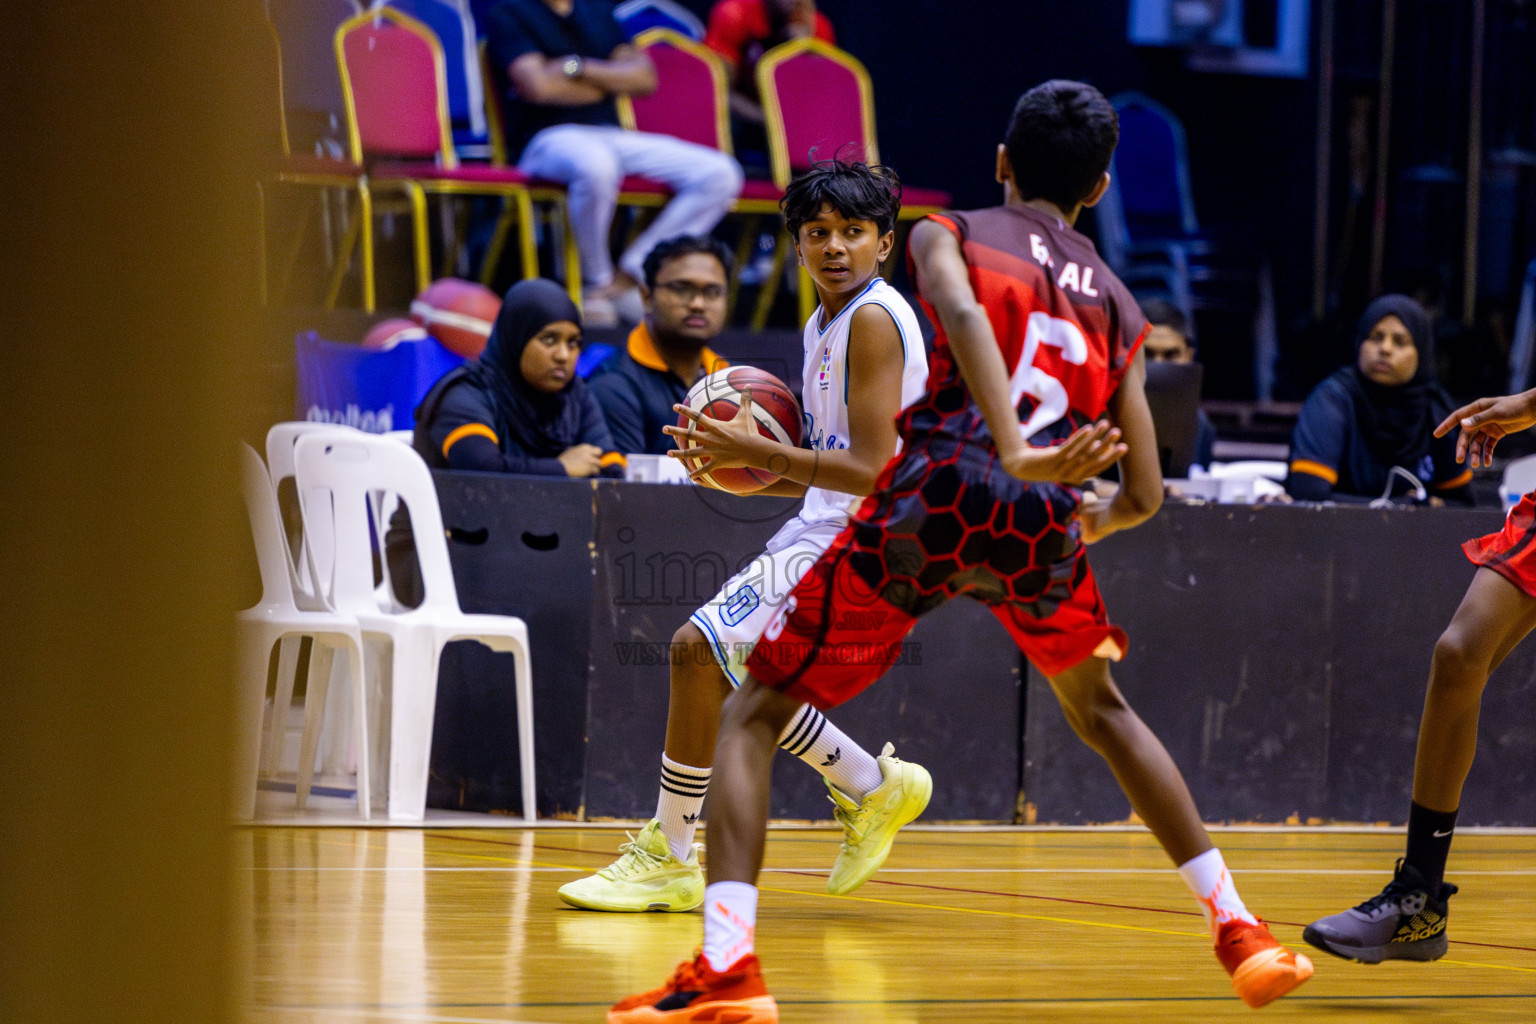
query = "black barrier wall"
{"x": 1280, "y": 653}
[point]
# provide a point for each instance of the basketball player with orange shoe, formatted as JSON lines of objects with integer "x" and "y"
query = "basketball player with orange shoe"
{"x": 1037, "y": 342}
{"x": 864, "y": 363}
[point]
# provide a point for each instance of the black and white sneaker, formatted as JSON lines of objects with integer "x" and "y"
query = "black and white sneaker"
{"x": 1406, "y": 921}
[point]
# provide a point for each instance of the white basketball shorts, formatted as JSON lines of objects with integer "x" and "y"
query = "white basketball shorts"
{"x": 735, "y": 618}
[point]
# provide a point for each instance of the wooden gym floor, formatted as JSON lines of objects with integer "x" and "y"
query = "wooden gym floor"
{"x": 438, "y": 925}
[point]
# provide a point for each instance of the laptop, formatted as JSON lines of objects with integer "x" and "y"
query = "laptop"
{"x": 1173, "y": 395}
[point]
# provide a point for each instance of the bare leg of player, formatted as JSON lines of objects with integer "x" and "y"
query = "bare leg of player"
{"x": 699, "y": 688}
{"x": 1262, "y": 970}
{"x": 724, "y": 981}
{"x": 1408, "y": 920}
{"x": 750, "y": 725}
{"x": 1494, "y": 616}
{"x": 1100, "y": 716}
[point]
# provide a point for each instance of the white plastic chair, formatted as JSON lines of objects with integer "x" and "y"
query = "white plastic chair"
{"x": 276, "y": 618}
{"x": 403, "y": 646}
{"x": 1519, "y": 479}
{"x": 302, "y": 571}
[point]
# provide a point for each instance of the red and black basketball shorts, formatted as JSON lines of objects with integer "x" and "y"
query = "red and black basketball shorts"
{"x": 1512, "y": 551}
{"x": 931, "y": 532}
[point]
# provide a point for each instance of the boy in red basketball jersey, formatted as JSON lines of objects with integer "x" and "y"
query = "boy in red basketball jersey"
{"x": 1037, "y": 341}
{"x": 1407, "y": 919}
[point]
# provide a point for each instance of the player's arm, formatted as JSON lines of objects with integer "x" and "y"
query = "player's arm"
{"x": 782, "y": 488}
{"x": 875, "y": 360}
{"x": 1485, "y": 421}
{"x": 944, "y": 281}
{"x": 1141, "y": 476}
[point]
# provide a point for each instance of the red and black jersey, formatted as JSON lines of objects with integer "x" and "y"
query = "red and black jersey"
{"x": 1068, "y": 329}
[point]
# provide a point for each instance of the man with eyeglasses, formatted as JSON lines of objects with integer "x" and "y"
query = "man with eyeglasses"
{"x": 684, "y": 294}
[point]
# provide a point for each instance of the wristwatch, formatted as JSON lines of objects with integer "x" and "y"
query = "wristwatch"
{"x": 571, "y": 67}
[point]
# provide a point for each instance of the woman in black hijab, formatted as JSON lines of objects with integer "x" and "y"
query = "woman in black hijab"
{"x": 1377, "y": 414}
{"x": 521, "y": 408}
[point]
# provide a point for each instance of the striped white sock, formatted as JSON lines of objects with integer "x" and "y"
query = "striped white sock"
{"x": 680, "y": 803}
{"x": 825, "y": 747}
{"x": 730, "y": 922}
{"x": 1208, "y": 878}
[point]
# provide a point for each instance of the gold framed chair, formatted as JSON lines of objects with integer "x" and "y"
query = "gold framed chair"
{"x": 818, "y": 101}
{"x": 398, "y": 129}
{"x": 692, "y": 103}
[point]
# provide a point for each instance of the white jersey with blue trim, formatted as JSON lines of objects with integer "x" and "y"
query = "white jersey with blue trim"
{"x": 824, "y": 386}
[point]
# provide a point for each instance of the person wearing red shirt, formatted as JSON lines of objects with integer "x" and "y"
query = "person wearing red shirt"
{"x": 741, "y": 31}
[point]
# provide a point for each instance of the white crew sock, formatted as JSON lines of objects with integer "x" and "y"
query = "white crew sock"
{"x": 825, "y": 747}
{"x": 730, "y": 922}
{"x": 680, "y": 802}
{"x": 1208, "y": 878}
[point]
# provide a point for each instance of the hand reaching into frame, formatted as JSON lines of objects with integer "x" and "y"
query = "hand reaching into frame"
{"x": 1487, "y": 420}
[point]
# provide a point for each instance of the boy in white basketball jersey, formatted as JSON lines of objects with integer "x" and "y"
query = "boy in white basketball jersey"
{"x": 864, "y": 363}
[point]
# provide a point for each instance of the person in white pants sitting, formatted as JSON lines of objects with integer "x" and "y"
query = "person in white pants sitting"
{"x": 559, "y": 64}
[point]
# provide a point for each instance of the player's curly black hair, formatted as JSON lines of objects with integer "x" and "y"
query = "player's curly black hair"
{"x": 1060, "y": 141}
{"x": 854, "y": 189}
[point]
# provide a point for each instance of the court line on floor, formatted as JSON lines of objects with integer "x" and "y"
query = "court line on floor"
{"x": 424, "y": 1016}
{"x": 1079, "y": 902}
{"x": 536, "y": 868}
{"x": 1151, "y": 848}
{"x": 1032, "y": 896}
{"x": 426, "y": 1011}
{"x": 1122, "y": 906}
{"x": 517, "y": 863}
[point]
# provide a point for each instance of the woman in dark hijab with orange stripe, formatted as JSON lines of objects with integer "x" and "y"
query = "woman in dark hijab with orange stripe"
{"x": 521, "y": 408}
{"x": 1367, "y": 431}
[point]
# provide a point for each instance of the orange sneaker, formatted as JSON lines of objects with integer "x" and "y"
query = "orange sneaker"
{"x": 695, "y": 992}
{"x": 1262, "y": 970}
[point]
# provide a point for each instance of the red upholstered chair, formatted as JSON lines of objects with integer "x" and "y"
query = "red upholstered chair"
{"x": 393, "y": 80}
{"x": 818, "y": 102}
{"x": 692, "y": 103}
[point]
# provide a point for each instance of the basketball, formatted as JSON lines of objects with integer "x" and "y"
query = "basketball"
{"x": 458, "y": 313}
{"x": 386, "y": 334}
{"x": 773, "y": 407}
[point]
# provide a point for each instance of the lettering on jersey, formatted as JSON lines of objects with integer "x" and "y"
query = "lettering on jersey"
{"x": 1073, "y": 277}
{"x": 1077, "y": 279}
{"x": 823, "y": 442}
{"x": 1038, "y": 250}
{"x": 824, "y": 375}
{"x": 1066, "y": 338}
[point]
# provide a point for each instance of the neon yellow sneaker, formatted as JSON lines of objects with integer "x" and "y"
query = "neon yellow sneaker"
{"x": 646, "y": 877}
{"x": 870, "y": 826}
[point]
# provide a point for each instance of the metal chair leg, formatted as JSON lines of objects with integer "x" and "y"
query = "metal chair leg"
{"x": 770, "y": 287}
